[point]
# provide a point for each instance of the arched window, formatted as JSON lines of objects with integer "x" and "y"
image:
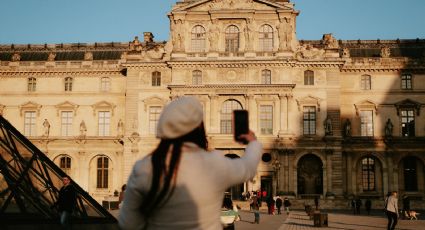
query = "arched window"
{"x": 156, "y": 78}
{"x": 68, "y": 84}
{"x": 197, "y": 77}
{"x": 232, "y": 39}
{"x": 266, "y": 77}
{"x": 266, "y": 38}
{"x": 368, "y": 174}
{"x": 105, "y": 84}
{"x": 308, "y": 77}
{"x": 32, "y": 83}
{"x": 65, "y": 164}
{"x": 226, "y": 115}
{"x": 102, "y": 172}
{"x": 198, "y": 39}
{"x": 410, "y": 174}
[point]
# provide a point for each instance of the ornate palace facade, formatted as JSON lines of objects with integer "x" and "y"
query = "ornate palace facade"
{"x": 337, "y": 118}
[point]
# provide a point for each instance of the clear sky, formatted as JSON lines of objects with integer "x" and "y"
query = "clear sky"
{"x": 72, "y": 21}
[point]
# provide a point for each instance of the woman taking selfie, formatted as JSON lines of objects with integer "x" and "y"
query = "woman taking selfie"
{"x": 181, "y": 185}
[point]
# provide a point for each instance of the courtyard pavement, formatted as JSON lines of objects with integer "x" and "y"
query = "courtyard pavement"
{"x": 337, "y": 219}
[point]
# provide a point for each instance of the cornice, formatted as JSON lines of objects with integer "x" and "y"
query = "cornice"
{"x": 232, "y": 86}
{"x": 59, "y": 72}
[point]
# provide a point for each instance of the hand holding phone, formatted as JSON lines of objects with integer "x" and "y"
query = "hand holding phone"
{"x": 240, "y": 125}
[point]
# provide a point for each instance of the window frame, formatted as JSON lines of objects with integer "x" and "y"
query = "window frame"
{"x": 309, "y": 120}
{"x": 154, "y": 113}
{"x": 104, "y": 123}
{"x": 156, "y": 78}
{"x": 198, "y": 39}
{"x": 366, "y": 82}
{"x": 368, "y": 174}
{"x": 68, "y": 84}
{"x": 406, "y": 81}
{"x": 66, "y": 125}
{"x": 30, "y": 123}
{"x": 32, "y": 84}
{"x": 266, "y": 77}
{"x": 105, "y": 84}
{"x": 407, "y": 115}
{"x": 232, "y": 39}
{"x": 197, "y": 77}
{"x": 226, "y": 113}
{"x": 266, "y": 119}
{"x": 65, "y": 163}
{"x": 102, "y": 172}
{"x": 366, "y": 123}
{"x": 266, "y": 38}
{"x": 309, "y": 77}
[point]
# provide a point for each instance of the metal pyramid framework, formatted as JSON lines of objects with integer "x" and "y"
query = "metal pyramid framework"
{"x": 30, "y": 183}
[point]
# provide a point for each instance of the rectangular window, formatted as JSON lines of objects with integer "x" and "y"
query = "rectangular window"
{"x": 308, "y": 77}
{"x": 32, "y": 84}
{"x": 407, "y": 122}
{"x": 102, "y": 172}
{"x": 68, "y": 84}
{"x": 309, "y": 120}
{"x": 66, "y": 123}
{"x": 154, "y": 112}
{"x": 29, "y": 123}
{"x": 366, "y": 123}
{"x": 156, "y": 78}
{"x": 104, "y": 123}
{"x": 65, "y": 164}
{"x": 365, "y": 83}
{"x": 406, "y": 81}
{"x": 266, "y": 77}
{"x": 105, "y": 84}
{"x": 266, "y": 119}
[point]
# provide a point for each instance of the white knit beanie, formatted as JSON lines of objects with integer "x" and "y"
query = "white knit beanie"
{"x": 179, "y": 117}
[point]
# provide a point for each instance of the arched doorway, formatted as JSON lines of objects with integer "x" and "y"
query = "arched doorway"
{"x": 237, "y": 190}
{"x": 310, "y": 175}
{"x": 410, "y": 174}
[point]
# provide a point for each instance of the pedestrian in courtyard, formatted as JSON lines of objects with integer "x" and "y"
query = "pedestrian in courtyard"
{"x": 279, "y": 203}
{"x": 256, "y": 209}
{"x": 391, "y": 208}
{"x": 270, "y": 205}
{"x": 358, "y": 205}
{"x": 316, "y": 202}
{"x": 353, "y": 205}
{"x": 66, "y": 202}
{"x": 286, "y": 204}
{"x": 368, "y": 205}
{"x": 162, "y": 191}
{"x": 406, "y": 206}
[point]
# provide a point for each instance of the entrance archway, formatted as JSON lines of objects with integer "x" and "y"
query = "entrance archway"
{"x": 237, "y": 190}
{"x": 310, "y": 175}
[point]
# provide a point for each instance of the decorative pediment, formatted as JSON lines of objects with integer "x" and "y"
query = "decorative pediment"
{"x": 205, "y": 5}
{"x": 308, "y": 101}
{"x": 66, "y": 106}
{"x": 366, "y": 105}
{"x": 30, "y": 106}
{"x": 408, "y": 104}
{"x": 154, "y": 100}
{"x": 103, "y": 106}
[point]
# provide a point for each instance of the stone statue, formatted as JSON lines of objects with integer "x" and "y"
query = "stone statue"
{"x": 328, "y": 126}
{"x": 83, "y": 129}
{"x": 285, "y": 33}
{"x": 178, "y": 36}
{"x": 249, "y": 37}
{"x": 330, "y": 42}
{"x": 345, "y": 53}
{"x": 214, "y": 35}
{"x": 389, "y": 128}
{"x": 51, "y": 57}
{"x": 46, "y": 127}
{"x": 136, "y": 45}
{"x": 120, "y": 128}
{"x": 347, "y": 128}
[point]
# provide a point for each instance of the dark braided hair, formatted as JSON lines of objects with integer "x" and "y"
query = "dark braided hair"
{"x": 164, "y": 175}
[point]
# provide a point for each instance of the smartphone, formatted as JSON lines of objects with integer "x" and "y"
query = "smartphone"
{"x": 240, "y": 124}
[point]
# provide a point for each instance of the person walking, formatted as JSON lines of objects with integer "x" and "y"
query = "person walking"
{"x": 391, "y": 208}
{"x": 279, "y": 203}
{"x": 66, "y": 202}
{"x": 256, "y": 209}
{"x": 270, "y": 205}
{"x": 368, "y": 205}
{"x": 358, "y": 205}
{"x": 286, "y": 204}
{"x": 162, "y": 191}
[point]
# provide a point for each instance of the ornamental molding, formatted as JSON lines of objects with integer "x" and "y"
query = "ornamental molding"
{"x": 239, "y": 89}
{"x": 66, "y": 106}
{"x": 154, "y": 100}
{"x": 30, "y": 106}
{"x": 308, "y": 101}
{"x": 56, "y": 73}
{"x": 214, "y": 5}
{"x": 408, "y": 104}
{"x": 103, "y": 105}
{"x": 366, "y": 105}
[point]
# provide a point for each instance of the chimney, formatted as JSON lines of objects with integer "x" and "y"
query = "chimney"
{"x": 148, "y": 37}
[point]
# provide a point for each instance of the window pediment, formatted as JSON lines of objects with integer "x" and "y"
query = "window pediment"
{"x": 30, "y": 106}
{"x": 103, "y": 105}
{"x": 155, "y": 100}
{"x": 366, "y": 105}
{"x": 66, "y": 106}
{"x": 408, "y": 104}
{"x": 309, "y": 100}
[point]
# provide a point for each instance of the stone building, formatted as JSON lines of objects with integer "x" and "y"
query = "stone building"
{"x": 338, "y": 119}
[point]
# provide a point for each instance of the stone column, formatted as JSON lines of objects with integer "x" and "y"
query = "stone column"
{"x": 283, "y": 114}
{"x": 214, "y": 114}
{"x": 329, "y": 169}
{"x": 349, "y": 174}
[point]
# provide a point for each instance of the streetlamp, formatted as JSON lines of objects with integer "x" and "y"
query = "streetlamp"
{"x": 276, "y": 166}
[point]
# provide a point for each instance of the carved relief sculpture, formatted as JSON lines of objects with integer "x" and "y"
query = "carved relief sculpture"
{"x": 51, "y": 56}
{"x": 178, "y": 36}
{"x": 136, "y": 45}
{"x": 385, "y": 52}
{"x": 285, "y": 31}
{"x": 16, "y": 57}
{"x": 307, "y": 51}
{"x": 88, "y": 56}
{"x": 249, "y": 36}
{"x": 328, "y": 126}
{"x": 120, "y": 128}
{"x": 345, "y": 53}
